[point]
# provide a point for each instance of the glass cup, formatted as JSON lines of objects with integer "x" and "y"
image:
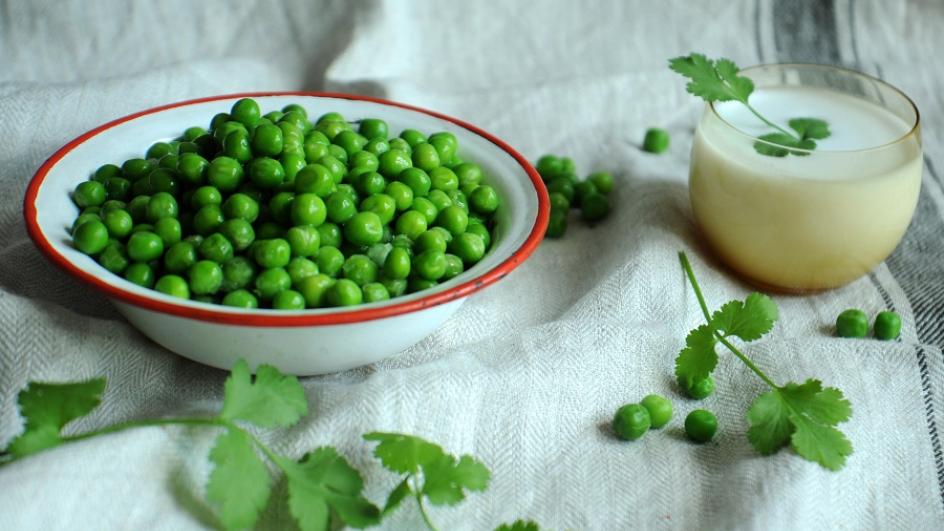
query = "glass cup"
{"x": 808, "y": 220}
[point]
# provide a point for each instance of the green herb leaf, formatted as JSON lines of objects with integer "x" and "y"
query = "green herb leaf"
{"x": 713, "y": 80}
{"x": 519, "y": 525}
{"x": 445, "y": 479}
{"x": 404, "y": 453}
{"x": 270, "y": 400}
{"x": 324, "y": 481}
{"x": 770, "y": 426}
{"x": 783, "y": 141}
{"x": 397, "y": 495}
{"x": 810, "y": 128}
{"x": 748, "y": 320}
{"x": 698, "y": 359}
{"x": 239, "y": 482}
{"x": 47, "y": 408}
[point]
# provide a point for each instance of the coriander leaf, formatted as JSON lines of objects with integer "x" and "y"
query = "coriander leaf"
{"x": 47, "y": 408}
{"x": 397, "y": 495}
{"x": 444, "y": 479}
{"x": 322, "y": 480}
{"x": 810, "y": 128}
{"x": 271, "y": 400}
{"x": 712, "y": 80}
{"x": 239, "y": 482}
{"x": 782, "y": 141}
{"x": 814, "y": 412}
{"x": 748, "y": 320}
{"x": 770, "y": 423}
{"x": 519, "y": 525}
{"x": 698, "y": 359}
{"x": 403, "y": 453}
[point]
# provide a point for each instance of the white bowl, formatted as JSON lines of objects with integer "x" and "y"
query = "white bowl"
{"x": 300, "y": 342}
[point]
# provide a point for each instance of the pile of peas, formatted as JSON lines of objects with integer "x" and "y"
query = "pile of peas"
{"x": 567, "y": 191}
{"x": 278, "y": 212}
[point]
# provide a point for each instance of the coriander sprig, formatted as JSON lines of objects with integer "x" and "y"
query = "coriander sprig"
{"x": 802, "y": 415}
{"x": 718, "y": 80}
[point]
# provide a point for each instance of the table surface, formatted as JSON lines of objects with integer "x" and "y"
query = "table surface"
{"x": 529, "y": 371}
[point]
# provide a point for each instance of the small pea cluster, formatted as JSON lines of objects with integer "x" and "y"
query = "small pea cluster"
{"x": 632, "y": 421}
{"x": 855, "y": 323}
{"x": 567, "y": 191}
{"x": 277, "y": 211}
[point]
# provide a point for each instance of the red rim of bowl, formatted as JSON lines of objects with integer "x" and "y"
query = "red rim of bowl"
{"x": 274, "y": 320}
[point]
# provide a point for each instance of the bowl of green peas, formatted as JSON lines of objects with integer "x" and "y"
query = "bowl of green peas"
{"x": 315, "y": 232}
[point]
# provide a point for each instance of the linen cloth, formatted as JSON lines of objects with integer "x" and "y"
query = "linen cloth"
{"x": 528, "y": 373}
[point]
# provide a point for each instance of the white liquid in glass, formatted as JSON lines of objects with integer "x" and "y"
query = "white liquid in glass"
{"x": 805, "y": 222}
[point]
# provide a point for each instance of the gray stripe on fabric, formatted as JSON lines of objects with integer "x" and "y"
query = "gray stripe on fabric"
{"x": 806, "y": 31}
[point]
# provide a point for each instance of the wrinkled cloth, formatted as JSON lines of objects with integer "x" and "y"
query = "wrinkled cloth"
{"x": 528, "y": 373}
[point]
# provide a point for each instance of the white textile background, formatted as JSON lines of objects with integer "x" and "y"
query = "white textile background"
{"x": 528, "y": 372}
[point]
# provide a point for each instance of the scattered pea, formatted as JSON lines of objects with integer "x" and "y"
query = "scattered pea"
{"x": 887, "y": 325}
{"x": 656, "y": 141}
{"x": 852, "y": 323}
{"x": 631, "y": 422}
{"x": 701, "y": 425}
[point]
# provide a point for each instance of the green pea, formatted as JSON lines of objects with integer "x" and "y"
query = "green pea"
{"x": 699, "y": 389}
{"x": 559, "y": 202}
{"x": 887, "y": 325}
{"x": 381, "y": 204}
{"x": 330, "y": 234}
{"x": 236, "y": 146}
{"x": 469, "y": 247}
{"x": 425, "y": 157}
{"x": 315, "y": 179}
{"x": 377, "y": 146}
{"x": 397, "y": 264}
{"x": 594, "y": 207}
{"x": 292, "y": 163}
{"x": 453, "y": 219}
{"x": 267, "y": 140}
{"x": 364, "y": 228}
{"x": 105, "y": 172}
{"x": 217, "y": 248}
{"x": 425, "y": 207}
{"x": 373, "y": 128}
{"x": 246, "y": 111}
{"x": 192, "y": 133}
{"x": 395, "y": 286}
{"x": 400, "y": 145}
{"x": 659, "y": 408}
{"x": 431, "y": 240}
{"x": 603, "y": 181}
{"x": 350, "y": 141}
{"x": 241, "y": 206}
{"x": 340, "y": 207}
{"x": 135, "y": 169}
{"x": 344, "y": 292}
{"x": 288, "y": 300}
{"x": 227, "y": 128}
{"x": 401, "y": 194}
{"x": 338, "y": 152}
{"x": 412, "y": 137}
{"x": 549, "y": 166}
{"x": 238, "y": 273}
{"x": 162, "y": 205}
{"x": 140, "y": 274}
{"x": 701, "y": 425}
{"x": 206, "y": 195}
{"x": 444, "y": 179}
{"x": 113, "y": 257}
{"x": 468, "y": 174}
{"x": 314, "y": 289}
{"x": 411, "y": 223}
{"x": 308, "y": 209}
{"x": 583, "y": 189}
{"x": 394, "y": 162}
{"x": 117, "y": 188}
{"x": 299, "y": 268}
{"x": 240, "y": 298}
{"x": 271, "y": 281}
{"x": 162, "y": 180}
{"x": 89, "y": 193}
{"x": 656, "y": 141}
{"x": 440, "y": 199}
{"x": 370, "y": 182}
{"x": 556, "y": 224}
{"x": 183, "y": 148}
{"x": 303, "y": 240}
{"x": 239, "y": 232}
{"x": 454, "y": 267}
{"x": 118, "y": 223}
{"x": 360, "y": 269}
{"x": 330, "y": 260}
{"x": 631, "y": 422}
{"x": 274, "y": 253}
{"x": 561, "y": 185}
{"x": 265, "y": 172}
{"x": 173, "y": 285}
{"x": 205, "y": 277}
{"x": 375, "y": 292}
{"x": 335, "y": 166}
{"x": 225, "y": 173}
{"x": 280, "y": 207}
{"x": 417, "y": 179}
{"x": 430, "y": 265}
{"x": 168, "y": 230}
{"x": 445, "y": 144}
{"x": 476, "y": 227}
{"x": 208, "y": 219}
{"x": 852, "y": 323}
{"x": 180, "y": 257}
{"x": 484, "y": 200}
{"x": 145, "y": 246}
{"x": 170, "y": 161}
{"x": 158, "y": 150}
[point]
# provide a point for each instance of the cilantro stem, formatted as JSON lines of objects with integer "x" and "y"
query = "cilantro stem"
{"x": 768, "y": 122}
{"x": 143, "y": 424}
{"x": 419, "y": 501}
{"x": 704, "y": 308}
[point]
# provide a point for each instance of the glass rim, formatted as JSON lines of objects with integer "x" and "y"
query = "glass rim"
{"x": 911, "y": 131}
